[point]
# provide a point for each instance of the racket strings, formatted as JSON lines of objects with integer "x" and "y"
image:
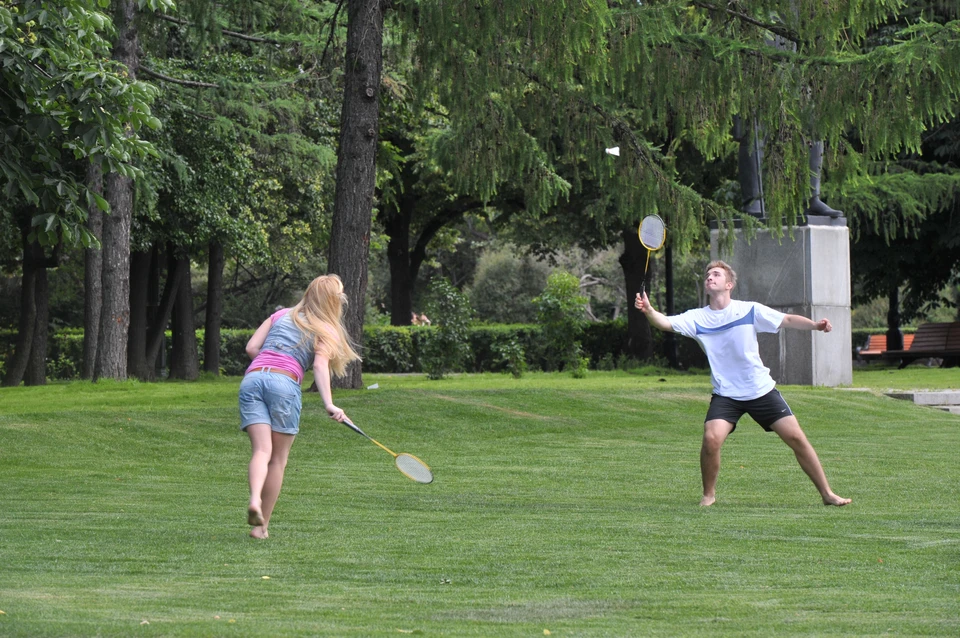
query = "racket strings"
{"x": 652, "y": 232}
{"x": 413, "y": 468}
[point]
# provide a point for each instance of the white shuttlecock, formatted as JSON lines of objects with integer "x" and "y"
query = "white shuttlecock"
{"x": 613, "y": 151}
{"x": 373, "y": 387}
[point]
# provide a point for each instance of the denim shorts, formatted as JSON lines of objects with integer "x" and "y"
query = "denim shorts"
{"x": 271, "y": 398}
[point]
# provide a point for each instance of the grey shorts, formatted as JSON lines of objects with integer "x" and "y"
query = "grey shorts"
{"x": 271, "y": 398}
{"x": 765, "y": 410}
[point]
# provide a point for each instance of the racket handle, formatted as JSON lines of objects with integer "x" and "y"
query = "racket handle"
{"x": 349, "y": 424}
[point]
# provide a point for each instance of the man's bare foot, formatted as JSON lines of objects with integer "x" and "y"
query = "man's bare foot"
{"x": 707, "y": 501}
{"x": 254, "y": 516}
{"x": 259, "y": 532}
{"x": 833, "y": 499}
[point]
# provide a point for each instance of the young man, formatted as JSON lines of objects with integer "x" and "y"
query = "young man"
{"x": 727, "y": 330}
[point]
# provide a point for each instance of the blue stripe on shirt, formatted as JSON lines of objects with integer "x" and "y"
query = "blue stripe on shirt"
{"x": 745, "y": 320}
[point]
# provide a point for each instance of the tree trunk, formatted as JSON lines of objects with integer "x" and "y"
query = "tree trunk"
{"x": 18, "y": 362}
{"x": 670, "y": 350}
{"x": 137, "y": 364}
{"x": 894, "y": 335}
{"x": 36, "y": 372}
{"x": 184, "y": 362}
{"x": 639, "y": 339}
{"x": 156, "y": 335}
{"x": 211, "y": 328}
{"x": 397, "y": 227}
{"x": 92, "y": 273}
{"x": 115, "y": 312}
{"x": 356, "y": 165}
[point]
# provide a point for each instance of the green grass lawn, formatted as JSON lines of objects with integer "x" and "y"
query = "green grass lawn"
{"x": 560, "y": 505}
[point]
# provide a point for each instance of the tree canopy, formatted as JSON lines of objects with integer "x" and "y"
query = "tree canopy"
{"x": 63, "y": 101}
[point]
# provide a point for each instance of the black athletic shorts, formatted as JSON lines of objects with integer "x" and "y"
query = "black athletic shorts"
{"x": 765, "y": 410}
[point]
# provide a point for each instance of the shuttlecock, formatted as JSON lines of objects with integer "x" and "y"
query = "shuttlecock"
{"x": 613, "y": 151}
{"x": 373, "y": 387}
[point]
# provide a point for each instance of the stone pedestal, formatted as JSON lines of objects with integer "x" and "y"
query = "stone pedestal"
{"x": 808, "y": 275}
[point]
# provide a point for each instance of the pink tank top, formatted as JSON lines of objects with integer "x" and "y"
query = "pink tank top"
{"x": 270, "y": 359}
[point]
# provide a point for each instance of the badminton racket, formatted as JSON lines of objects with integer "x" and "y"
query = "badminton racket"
{"x": 409, "y": 465}
{"x": 652, "y": 234}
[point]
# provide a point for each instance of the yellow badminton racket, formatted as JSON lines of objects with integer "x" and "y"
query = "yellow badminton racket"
{"x": 652, "y": 234}
{"x": 409, "y": 465}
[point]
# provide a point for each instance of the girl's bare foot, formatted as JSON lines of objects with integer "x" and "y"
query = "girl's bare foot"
{"x": 259, "y": 532}
{"x": 707, "y": 501}
{"x": 833, "y": 499}
{"x": 254, "y": 516}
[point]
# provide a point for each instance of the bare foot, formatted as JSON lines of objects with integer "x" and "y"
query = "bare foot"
{"x": 707, "y": 501}
{"x": 259, "y": 532}
{"x": 254, "y": 516}
{"x": 833, "y": 499}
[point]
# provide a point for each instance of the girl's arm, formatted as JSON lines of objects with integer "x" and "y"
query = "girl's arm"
{"x": 256, "y": 341}
{"x": 321, "y": 377}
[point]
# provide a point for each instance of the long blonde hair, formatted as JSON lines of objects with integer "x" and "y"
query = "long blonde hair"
{"x": 320, "y": 315}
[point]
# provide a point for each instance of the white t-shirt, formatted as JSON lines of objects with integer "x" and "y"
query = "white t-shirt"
{"x": 729, "y": 338}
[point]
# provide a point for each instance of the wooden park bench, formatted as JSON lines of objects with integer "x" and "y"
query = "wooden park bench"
{"x": 931, "y": 341}
{"x": 877, "y": 345}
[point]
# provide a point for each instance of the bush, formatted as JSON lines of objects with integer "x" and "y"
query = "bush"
{"x": 504, "y": 286}
{"x": 391, "y": 348}
{"x": 448, "y": 348}
{"x": 396, "y": 349}
{"x": 561, "y": 311}
{"x": 512, "y": 356}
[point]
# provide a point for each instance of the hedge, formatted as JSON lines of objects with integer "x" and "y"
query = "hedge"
{"x": 391, "y": 349}
{"x": 394, "y": 349}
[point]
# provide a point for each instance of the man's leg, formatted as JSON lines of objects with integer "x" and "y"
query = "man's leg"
{"x": 788, "y": 429}
{"x": 715, "y": 432}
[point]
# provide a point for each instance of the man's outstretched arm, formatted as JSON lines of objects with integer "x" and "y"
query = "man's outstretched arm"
{"x": 798, "y": 322}
{"x": 657, "y": 319}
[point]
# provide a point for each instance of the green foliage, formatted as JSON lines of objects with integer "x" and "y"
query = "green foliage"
{"x": 561, "y": 313}
{"x": 504, "y": 286}
{"x": 401, "y": 349}
{"x": 391, "y": 349}
{"x": 578, "y": 364}
{"x": 247, "y": 150}
{"x": 448, "y": 348}
{"x": 512, "y": 356}
{"x": 539, "y": 92}
{"x": 64, "y": 102}
{"x": 906, "y": 237}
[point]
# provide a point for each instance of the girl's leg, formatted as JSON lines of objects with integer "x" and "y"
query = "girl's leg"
{"x": 274, "y": 479}
{"x": 261, "y": 444}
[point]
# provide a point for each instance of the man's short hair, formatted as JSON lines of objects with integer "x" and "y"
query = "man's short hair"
{"x": 731, "y": 273}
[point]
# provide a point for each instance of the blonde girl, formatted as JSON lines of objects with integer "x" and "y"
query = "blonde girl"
{"x": 285, "y": 345}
